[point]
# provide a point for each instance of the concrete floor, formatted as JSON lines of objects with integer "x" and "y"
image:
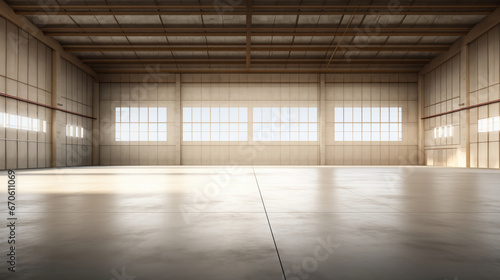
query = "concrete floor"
{"x": 147, "y": 223}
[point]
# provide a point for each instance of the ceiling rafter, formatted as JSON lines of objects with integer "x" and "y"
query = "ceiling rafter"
{"x": 248, "y": 47}
{"x": 304, "y": 6}
{"x": 196, "y": 9}
{"x": 107, "y": 61}
{"x": 260, "y": 71}
{"x": 367, "y": 29}
{"x": 243, "y": 13}
{"x": 254, "y": 47}
{"x": 243, "y": 34}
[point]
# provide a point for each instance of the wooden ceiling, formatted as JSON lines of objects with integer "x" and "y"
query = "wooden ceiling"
{"x": 255, "y": 36}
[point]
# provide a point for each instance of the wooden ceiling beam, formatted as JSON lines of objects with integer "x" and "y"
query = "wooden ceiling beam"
{"x": 254, "y": 47}
{"x": 58, "y": 12}
{"x": 452, "y": 6}
{"x": 248, "y": 47}
{"x": 121, "y": 61}
{"x": 362, "y": 29}
{"x": 243, "y": 34}
{"x": 262, "y": 71}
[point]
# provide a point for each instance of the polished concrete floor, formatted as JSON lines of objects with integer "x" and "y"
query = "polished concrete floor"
{"x": 148, "y": 223}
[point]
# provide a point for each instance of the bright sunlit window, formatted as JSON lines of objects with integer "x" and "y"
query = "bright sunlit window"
{"x": 215, "y": 124}
{"x": 74, "y": 131}
{"x": 443, "y": 131}
{"x": 23, "y": 123}
{"x": 489, "y": 124}
{"x": 285, "y": 124}
{"x": 141, "y": 124}
{"x": 368, "y": 124}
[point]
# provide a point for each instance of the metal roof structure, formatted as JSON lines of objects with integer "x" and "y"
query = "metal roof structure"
{"x": 255, "y": 36}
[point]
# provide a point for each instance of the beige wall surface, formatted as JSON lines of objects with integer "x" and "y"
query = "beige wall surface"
{"x": 469, "y": 78}
{"x": 255, "y": 90}
{"x": 136, "y": 92}
{"x": 373, "y": 91}
{"x": 26, "y": 71}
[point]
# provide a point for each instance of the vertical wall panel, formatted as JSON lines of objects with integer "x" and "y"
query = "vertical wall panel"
{"x": 11, "y": 151}
{"x": 32, "y": 61}
{"x": 42, "y": 154}
{"x": 41, "y": 69}
{"x": 473, "y": 71}
{"x": 494, "y": 56}
{"x": 32, "y": 155}
{"x": 12, "y": 46}
{"x": 482, "y": 155}
{"x": 482, "y": 62}
{"x": 3, "y": 156}
{"x": 23, "y": 57}
{"x": 3, "y": 46}
{"x": 493, "y": 156}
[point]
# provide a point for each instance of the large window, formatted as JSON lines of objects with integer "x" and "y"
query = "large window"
{"x": 23, "y": 123}
{"x": 285, "y": 124}
{"x": 368, "y": 124}
{"x": 215, "y": 124}
{"x": 141, "y": 124}
{"x": 489, "y": 124}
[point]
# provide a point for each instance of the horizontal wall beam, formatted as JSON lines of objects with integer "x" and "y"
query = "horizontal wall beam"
{"x": 254, "y": 47}
{"x": 43, "y": 105}
{"x": 462, "y": 109}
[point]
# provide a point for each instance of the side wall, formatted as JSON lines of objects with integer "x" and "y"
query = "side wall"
{"x": 27, "y": 72}
{"x": 469, "y": 78}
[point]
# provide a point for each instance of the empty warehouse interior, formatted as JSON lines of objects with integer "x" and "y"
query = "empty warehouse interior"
{"x": 232, "y": 139}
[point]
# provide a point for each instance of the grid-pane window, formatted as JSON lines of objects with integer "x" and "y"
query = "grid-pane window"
{"x": 489, "y": 124}
{"x": 443, "y": 131}
{"x": 141, "y": 124}
{"x": 285, "y": 124}
{"x": 215, "y": 124}
{"x": 74, "y": 131}
{"x": 368, "y": 124}
{"x": 22, "y": 123}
